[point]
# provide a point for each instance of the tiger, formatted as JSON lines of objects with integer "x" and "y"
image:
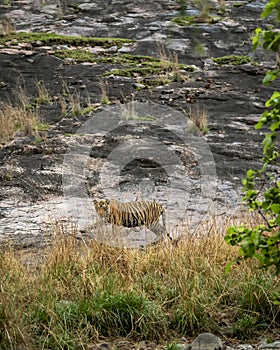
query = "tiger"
{"x": 130, "y": 214}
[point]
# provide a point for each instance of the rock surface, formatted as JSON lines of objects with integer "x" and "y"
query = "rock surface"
{"x": 206, "y": 341}
{"x": 34, "y": 175}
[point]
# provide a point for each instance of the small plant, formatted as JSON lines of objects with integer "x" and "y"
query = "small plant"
{"x": 246, "y": 325}
{"x": 169, "y": 62}
{"x": 129, "y": 113}
{"x": 199, "y": 117}
{"x": 173, "y": 346}
{"x": 14, "y": 119}
{"x": 43, "y": 94}
{"x": 71, "y": 103}
{"x": 104, "y": 96}
{"x": 200, "y": 49}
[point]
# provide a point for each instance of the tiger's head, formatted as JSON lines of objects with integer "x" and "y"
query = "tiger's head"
{"x": 102, "y": 207}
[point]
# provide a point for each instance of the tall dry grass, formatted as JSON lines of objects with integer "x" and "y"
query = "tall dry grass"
{"x": 16, "y": 119}
{"x": 87, "y": 291}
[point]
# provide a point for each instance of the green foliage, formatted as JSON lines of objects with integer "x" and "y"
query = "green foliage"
{"x": 173, "y": 346}
{"x": 246, "y": 325}
{"x": 110, "y": 315}
{"x": 262, "y": 186}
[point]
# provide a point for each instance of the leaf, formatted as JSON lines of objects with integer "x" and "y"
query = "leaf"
{"x": 270, "y": 77}
{"x": 268, "y": 9}
{"x": 274, "y": 99}
{"x": 228, "y": 267}
{"x": 275, "y": 208}
{"x": 275, "y": 126}
{"x": 267, "y": 142}
{"x": 256, "y": 41}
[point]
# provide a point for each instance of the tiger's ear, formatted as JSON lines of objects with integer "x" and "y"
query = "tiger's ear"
{"x": 95, "y": 202}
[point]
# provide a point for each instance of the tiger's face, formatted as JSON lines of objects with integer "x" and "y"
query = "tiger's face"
{"x": 102, "y": 207}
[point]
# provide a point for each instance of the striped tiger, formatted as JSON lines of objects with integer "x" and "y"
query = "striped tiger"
{"x": 130, "y": 214}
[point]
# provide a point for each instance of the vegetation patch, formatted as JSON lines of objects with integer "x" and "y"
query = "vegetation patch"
{"x": 232, "y": 59}
{"x": 15, "y": 120}
{"x": 159, "y": 71}
{"x": 186, "y": 20}
{"x": 56, "y": 39}
{"x": 152, "y": 71}
{"x": 78, "y": 55}
{"x": 84, "y": 292}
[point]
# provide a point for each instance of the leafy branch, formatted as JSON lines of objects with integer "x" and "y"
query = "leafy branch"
{"x": 262, "y": 186}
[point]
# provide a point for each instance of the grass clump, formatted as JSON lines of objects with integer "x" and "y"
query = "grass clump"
{"x": 110, "y": 315}
{"x": 17, "y": 119}
{"x": 199, "y": 118}
{"x": 72, "y": 104}
{"x": 82, "y": 293}
{"x": 232, "y": 59}
{"x": 23, "y": 118}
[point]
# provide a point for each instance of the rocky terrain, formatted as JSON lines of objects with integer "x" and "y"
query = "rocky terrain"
{"x": 135, "y": 135}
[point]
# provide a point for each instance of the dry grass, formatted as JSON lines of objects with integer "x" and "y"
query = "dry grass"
{"x": 169, "y": 62}
{"x": 6, "y": 26}
{"x": 82, "y": 292}
{"x": 17, "y": 119}
{"x": 43, "y": 94}
{"x": 104, "y": 93}
{"x": 72, "y": 104}
{"x": 198, "y": 116}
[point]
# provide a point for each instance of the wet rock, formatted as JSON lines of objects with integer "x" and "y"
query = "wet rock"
{"x": 88, "y": 7}
{"x": 244, "y": 347}
{"x": 206, "y": 341}
{"x": 273, "y": 345}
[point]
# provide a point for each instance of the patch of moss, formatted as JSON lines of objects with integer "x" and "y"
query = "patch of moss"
{"x": 160, "y": 71}
{"x": 183, "y": 20}
{"x": 135, "y": 72}
{"x": 42, "y": 127}
{"x": 139, "y": 63}
{"x": 51, "y": 38}
{"x": 232, "y": 59}
{"x": 155, "y": 81}
{"x": 78, "y": 55}
{"x": 186, "y": 20}
{"x": 83, "y": 55}
{"x": 147, "y": 70}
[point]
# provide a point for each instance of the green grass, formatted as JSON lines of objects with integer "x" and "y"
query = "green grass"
{"x": 186, "y": 20}
{"x": 51, "y": 39}
{"x": 83, "y": 293}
